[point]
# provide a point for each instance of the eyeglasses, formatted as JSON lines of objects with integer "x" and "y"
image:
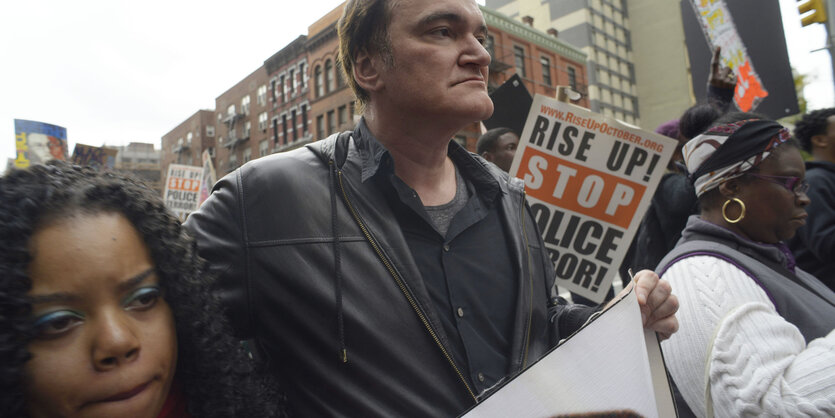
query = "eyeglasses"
{"x": 791, "y": 183}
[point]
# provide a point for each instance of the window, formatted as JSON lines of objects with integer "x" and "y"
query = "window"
{"x": 245, "y": 105}
{"x": 320, "y": 126}
{"x": 233, "y": 162}
{"x": 188, "y": 137}
{"x": 546, "y": 70}
{"x": 293, "y": 123}
{"x": 319, "y": 84}
{"x": 329, "y": 76}
{"x": 281, "y": 86}
{"x": 262, "y": 95}
{"x": 331, "y": 126}
{"x": 490, "y": 45}
{"x": 210, "y": 131}
{"x": 262, "y": 121}
{"x": 247, "y": 155}
{"x": 572, "y": 78}
{"x": 219, "y": 116}
{"x": 263, "y": 148}
{"x": 284, "y": 127}
{"x": 275, "y": 129}
{"x": 304, "y": 119}
{"x": 519, "y": 56}
{"x": 341, "y": 115}
{"x": 302, "y": 76}
{"x": 340, "y": 79}
{"x": 230, "y": 110}
{"x": 247, "y": 128}
{"x": 293, "y": 83}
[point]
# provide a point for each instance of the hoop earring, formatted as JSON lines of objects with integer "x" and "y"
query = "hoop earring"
{"x": 741, "y": 215}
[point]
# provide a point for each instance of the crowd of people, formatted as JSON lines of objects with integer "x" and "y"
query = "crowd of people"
{"x": 387, "y": 271}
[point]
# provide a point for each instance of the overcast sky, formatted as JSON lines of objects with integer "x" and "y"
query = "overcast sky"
{"x": 113, "y": 71}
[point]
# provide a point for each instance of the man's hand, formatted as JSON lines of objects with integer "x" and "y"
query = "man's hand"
{"x": 658, "y": 304}
{"x": 722, "y": 77}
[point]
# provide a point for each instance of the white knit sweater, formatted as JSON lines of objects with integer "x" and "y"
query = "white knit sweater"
{"x": 759, "y": 364}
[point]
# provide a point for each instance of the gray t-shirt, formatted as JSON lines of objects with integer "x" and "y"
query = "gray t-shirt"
{"x": 442, "y": 215}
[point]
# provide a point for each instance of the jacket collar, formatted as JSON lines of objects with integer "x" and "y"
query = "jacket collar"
{"x": 375, "y": 158}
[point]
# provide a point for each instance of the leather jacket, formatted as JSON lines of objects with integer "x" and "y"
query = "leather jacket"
{"x": 313, "y": 266}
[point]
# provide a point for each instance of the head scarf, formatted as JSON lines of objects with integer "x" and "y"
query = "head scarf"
{"x": 728, "y": 151}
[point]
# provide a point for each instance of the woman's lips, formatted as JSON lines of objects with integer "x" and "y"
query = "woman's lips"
{"x": 127, "y": 394}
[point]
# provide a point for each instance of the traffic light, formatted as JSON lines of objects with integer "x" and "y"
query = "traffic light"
{"x": 817, "y": 9}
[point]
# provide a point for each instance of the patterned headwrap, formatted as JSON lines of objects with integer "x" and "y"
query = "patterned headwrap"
{"x": 728, "y": 151}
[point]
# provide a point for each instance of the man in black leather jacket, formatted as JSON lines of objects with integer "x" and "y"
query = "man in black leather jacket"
{"x": 387, "y": 271}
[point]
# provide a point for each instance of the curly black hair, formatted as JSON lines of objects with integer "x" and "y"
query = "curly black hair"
{"x": 812, "y": 123}
{"x": 217, "y": 376}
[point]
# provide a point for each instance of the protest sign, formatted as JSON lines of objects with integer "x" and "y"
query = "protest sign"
{"x": 589, "y": 179}
{"x": 38, "y": 142}
{"x": 182, "y": 189}
{"x": 208, "y": 177}
{"x": 719, "y": 29}
{"x": 95, "y": 157}
{"x": 609, "y": 368}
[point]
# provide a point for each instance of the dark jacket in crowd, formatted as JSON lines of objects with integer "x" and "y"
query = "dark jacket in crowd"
{"x": 315, "y": 269}
{"x": 814, "y": 244}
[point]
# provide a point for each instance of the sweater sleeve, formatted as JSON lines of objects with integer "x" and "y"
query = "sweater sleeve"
{"x": 758, "y": 363}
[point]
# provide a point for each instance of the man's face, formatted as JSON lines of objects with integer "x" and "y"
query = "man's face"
{"x": 439, "y": 69}
{"x": 504, "y": 150}
{"x": 829, "y": 140}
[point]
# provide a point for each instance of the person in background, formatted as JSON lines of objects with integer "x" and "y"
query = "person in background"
{"x": 387, "y": 271}
{"x": 674, "y": 201}
{"x": 756, "y": 335}
{"x": 814, "y": 244}
{"x": 103, "y": 308}
{"x": 498, "y": 145}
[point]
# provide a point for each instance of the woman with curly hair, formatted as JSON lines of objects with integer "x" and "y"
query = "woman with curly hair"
{"x": 103, "y": 308}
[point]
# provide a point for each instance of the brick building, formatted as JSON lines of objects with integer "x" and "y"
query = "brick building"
{"x": 331, "y": 99}
{"x": 289, "y": 98}
{"x": 243, "y": 118}
{"x": 299, "y": 95}
{"x": 185, "y": 143}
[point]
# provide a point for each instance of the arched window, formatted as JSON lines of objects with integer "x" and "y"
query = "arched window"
{"x": 320, "y": 85}
{"x": 329, "y": 75}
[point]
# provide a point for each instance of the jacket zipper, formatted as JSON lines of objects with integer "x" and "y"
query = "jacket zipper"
{"x": 402, "y": 287}
{"x": 530, "y": 287}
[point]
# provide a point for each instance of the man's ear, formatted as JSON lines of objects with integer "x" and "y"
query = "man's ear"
{"x": 819, "y": 141}
{"x": 487, "y": 155}
{"x": 366, "y": 71}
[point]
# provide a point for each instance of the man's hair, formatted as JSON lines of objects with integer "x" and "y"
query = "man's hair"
{"x": 216, "y": 374}
{"x": 487, "y": 141}
{"x": 813, "y": 123}
{"x": 363, "y": 27}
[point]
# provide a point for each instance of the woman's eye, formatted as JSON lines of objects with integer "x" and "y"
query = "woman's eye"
{"x": 143, "y": 299}
{"x": 57, "y": 323}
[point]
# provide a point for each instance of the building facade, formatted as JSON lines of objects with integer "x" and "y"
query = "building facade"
{"x": 141, "y": 160}
{"x": 243, "y": 116}
{"x": 331, "y": 98}
{"x": 637, "y": 65}
{"x": 185, "y": 143}
{"x": 289, "y": 94}
{"x": 299, "y": 95}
